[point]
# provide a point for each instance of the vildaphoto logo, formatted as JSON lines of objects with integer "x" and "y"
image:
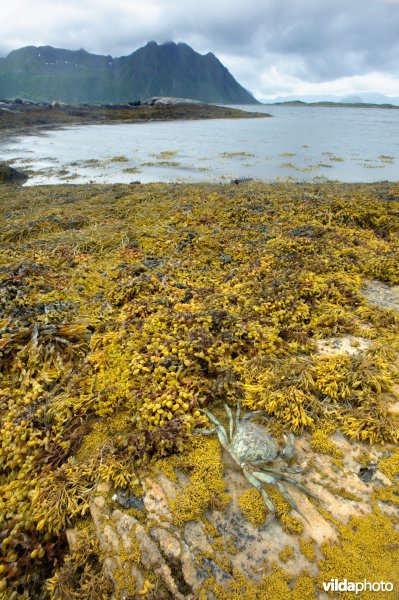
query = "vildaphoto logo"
{"x": 335, "y": 585}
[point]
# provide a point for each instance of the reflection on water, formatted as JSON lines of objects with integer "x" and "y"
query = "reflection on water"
{"x": 298, "y": 143}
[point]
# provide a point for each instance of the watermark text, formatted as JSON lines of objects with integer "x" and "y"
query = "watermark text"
{"x": 335, "y": 585}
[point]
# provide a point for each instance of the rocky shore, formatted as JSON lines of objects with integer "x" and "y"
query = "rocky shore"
{"x": 24, "y": 116}
{"x": 132, "y": 315}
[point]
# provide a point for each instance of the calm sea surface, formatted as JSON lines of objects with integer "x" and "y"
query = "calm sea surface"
{"x": 298, "y": 143}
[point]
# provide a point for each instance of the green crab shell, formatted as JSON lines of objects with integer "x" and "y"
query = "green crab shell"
{"x": 252, "y": 444}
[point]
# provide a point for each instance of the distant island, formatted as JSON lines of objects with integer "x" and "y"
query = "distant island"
{"x": 330, "y": 104}
{"x": 45, "y": 74}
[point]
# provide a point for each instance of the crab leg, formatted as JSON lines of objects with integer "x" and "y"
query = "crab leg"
{"x": 231, "y": 421}
{"x": 293, "y": 482}
{"x": 266, "y": 498}
{"x": 205, "y": 431}
{"x": 238, "y": 416}
{"x": 278, "y": 469}
{"x": 264, "y": 477}
{"x": 300, "y": 486}
{"x": 273, "y": 481}
{"x": 287, "y": 496}
{"x": 220, "y": 430}
{"x": 290, "y": 499}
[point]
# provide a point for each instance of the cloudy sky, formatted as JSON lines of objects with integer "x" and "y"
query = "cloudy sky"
{"x": 272, "y": 47}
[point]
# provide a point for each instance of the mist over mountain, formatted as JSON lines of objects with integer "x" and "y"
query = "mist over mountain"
{"x": 74, "y": 76}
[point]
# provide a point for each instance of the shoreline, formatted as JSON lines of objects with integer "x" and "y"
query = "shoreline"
{"x": 32, "y": 119}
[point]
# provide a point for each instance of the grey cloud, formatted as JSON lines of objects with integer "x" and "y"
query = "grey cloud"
{"x": 333, "y": 39}
{"x": 313, "y": 40}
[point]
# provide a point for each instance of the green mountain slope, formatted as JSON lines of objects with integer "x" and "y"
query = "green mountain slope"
{"x": 74, "y": 76}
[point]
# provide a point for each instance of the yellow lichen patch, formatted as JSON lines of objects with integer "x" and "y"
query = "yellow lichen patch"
{"x": 211, "y": 530}
{"x": 387, "y": 494}
{"x": 286, "y": 554}
{"x": 289, "y": 523}
{"x": 243, "y": 589}
{"x": 307, "y": 548}
{"x": 276, "y": 584}
{"x": 147, "y": 587}
{"x": 166, "y": 466}
{"x": 341, "y": 491}
{"x": 220, "y": 544}
{"x": 206, "y": 487}
{"x": 321, "y": 443}
{"x": 368, "y": 549}
{"x": 390, "y": 466}
{"x": 253, "y": 506}
{"x": 328, "y": 516}
{"x": 364, "y": 457}
{"x": 304, "y": 587}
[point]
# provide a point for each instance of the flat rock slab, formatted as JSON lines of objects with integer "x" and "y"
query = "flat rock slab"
{"x": 382, "y": 294}
{"x": 223, "y": 542}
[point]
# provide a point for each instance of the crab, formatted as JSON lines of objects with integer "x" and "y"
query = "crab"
{"x": 253, "y": 449}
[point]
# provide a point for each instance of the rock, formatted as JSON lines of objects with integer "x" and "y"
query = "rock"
{"x": 72, "y": 538}
{"x": 241, "y": 180}
{"x": 168, "y": 101}
{"x": 21, "y": 105}
{"x": 10, "y": 175}
{"x": 310, "y": 231}
{"x": 188, "y": 558}
{"x": 225, "y": 259}
{"x": 382, "y": 294}
{"x": 127, "y": 500}
{"x": 130, "y": 553}
{"x": 151, "y": 262}
{"x": 366, "y": 474}
{"x": 156, "y": 502}
{"x": 346, "y": 345}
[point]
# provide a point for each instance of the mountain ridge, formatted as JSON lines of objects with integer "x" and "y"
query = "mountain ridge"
{"x": 45, "y": 73}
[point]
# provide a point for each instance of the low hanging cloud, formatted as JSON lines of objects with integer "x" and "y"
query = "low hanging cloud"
{"x": 272, "y": 47}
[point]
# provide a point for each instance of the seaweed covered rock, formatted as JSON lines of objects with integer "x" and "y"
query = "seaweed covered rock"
{"x": 127, "y": 311}
{"x": 10, "y": 175}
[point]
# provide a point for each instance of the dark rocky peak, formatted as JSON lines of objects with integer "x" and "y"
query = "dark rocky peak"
{"x": 73, "y": 76}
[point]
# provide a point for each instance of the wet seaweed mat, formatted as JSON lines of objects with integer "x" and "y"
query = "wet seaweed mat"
{"x": 126, "y": 309}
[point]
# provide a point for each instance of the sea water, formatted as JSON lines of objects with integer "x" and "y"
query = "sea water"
{"x": 299, "y": 143}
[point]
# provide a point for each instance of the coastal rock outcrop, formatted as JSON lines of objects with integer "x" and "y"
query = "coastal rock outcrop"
{"x": 10, "y": 175}
{"x": 169, "y": 101}
{"x": 162, "y": 550}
